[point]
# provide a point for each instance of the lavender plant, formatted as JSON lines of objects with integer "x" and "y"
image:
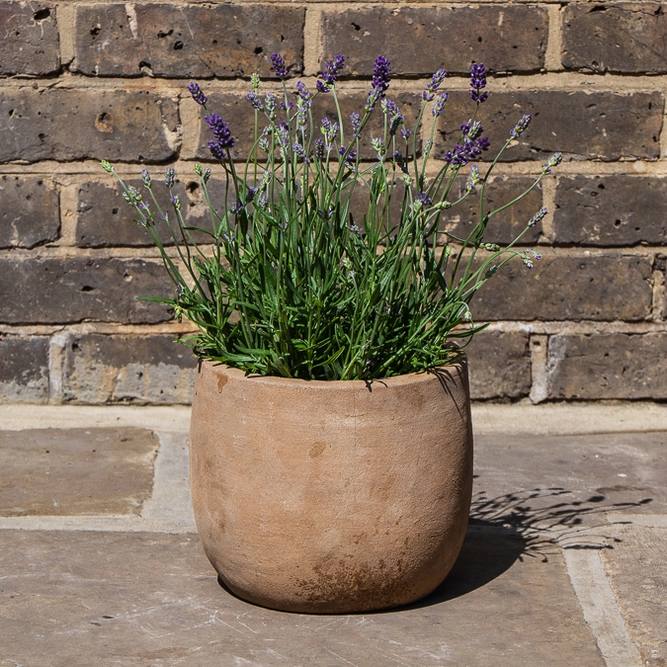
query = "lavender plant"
{"x": 291, "y": 283}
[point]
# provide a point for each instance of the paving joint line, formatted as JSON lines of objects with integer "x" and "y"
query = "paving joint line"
{"x": 600, "y": 608}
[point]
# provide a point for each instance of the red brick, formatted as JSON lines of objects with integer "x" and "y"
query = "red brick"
{"x": 420, "y": 40}
{"x": 29, "y": 39}
{"x": 49, "y": 291}
{"x": 591, "y": 125}
{"x": 29, "y": 216}
{"x": 608, "y": 366}
{"x": 75, "y": 124}
{"x": 568, "y": 288}
{"x": 618, "y": 37}
{"x": 186, "y": 40}
{"x": 611, "y": 210}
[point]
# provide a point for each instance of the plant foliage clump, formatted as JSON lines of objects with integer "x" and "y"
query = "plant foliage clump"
{"x": 289, "y": 281}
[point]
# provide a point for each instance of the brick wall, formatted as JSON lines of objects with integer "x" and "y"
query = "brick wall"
{"x": 80, "y": 82}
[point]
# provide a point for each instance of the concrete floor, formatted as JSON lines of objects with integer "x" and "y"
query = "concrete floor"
{"x": 564, "y": 561}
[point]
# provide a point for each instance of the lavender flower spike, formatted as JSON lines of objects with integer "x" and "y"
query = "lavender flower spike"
{"x": 381, "y": 74}
{"x": 197, "y": 94}
{"x": 439, "y": 106}
{"x": 434, "y": 85}
{"x": 278, "y": 66}
{"x": 303, "y": 93}
{"x": 253, "y": 98}
{"x": 478, "y": 82}
{"x": 518, "y": 129}
{"x": 221, "y": 133}
{"x": 537, "y": 217}
{"x": 553, "y": 161}
{"x": 331, "y": 73}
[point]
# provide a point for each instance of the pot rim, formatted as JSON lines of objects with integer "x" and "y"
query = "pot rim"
{"x": 394, "y": 381}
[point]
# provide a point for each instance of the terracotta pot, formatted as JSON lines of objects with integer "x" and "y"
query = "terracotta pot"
{"x": 331, "y": 497}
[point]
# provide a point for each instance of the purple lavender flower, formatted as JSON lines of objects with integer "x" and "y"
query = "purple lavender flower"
{"x": 373, "y": 98}
{"x": 329, "y": 130}
{"x": 406, "y": 132}
{"x": 434, "y": 85}
{"x": 330, "y": 74}
{"x": 471, "y": 130}
{"x": 381, "y": 74}
{"x": 400, "y": 161}
{"x": 298, "y": 150}
{"x": 356, "y": 124}
{"x": 539, "y": 216}
{"x": 424, "y": 199}
{"x": 220, "y": 130}
{"x": 301, "y": 114}
{"x": 221, "y": 133}
{"x": 197, "y": 94}
{"x": 525, "y": 258}
{"x": 481, "y": 144}
{"x": 478, "y": 82}
{"x": 282, "y": 134}
{"x": 146, "y": 178}
{"x": 303, "y": 93}
{"x": 216, "y": 151}
{"x": 378, "y": 147}
{"x": 320, "y": 153}
{"x": 471, "y": 149}
{"x": 349, "y": 160}
{"x": 270, "y": 103}
{"x": 169, "y": 177}
{"x": 439, "y": 105}
{"x": 132, "y": 195}
{"x": 278, "y": 66}
{"x": 393, "y": 113}
{"x": 553, "y": 161}
{"x": 518, "y": 129}
{"x": 253, "y": 98}
{"x": 475, "y": 177}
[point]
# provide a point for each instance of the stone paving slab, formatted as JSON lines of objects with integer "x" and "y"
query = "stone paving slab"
{"x": 75, "y": 471}
{"x": 75, "y": 599}
{"x": 612, "y": 472}
{"x": 637, "y": 569}
{"x": 565, "y": 551}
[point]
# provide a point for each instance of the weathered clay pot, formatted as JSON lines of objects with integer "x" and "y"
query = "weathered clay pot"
{"x": 331, "y": 497}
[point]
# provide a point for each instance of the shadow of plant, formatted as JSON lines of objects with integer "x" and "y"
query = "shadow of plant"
{"x": 546, "y": 526}
{"x": 525, "y": 524}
